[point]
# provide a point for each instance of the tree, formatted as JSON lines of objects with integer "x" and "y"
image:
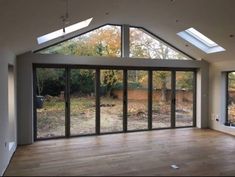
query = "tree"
{"x": 145, "y": 46}
{"x": 184, "y": 80}
{"x": 82, "y": 81}
{"x": 108, "y": 79}
{"x": 161, "y": 79}
{"x": 104, "y": 41}
{"x": 49, "y": 76}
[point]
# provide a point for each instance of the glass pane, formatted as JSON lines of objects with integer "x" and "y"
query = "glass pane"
{"x": 161, "y": 105}
{"x": 145, "y": 45}
{"x": 82, "y": 102}
{"x": 184, "y": 98}
{"x": 104, "y": 41}
{"x": 137, "y": 99}
{"x": 111, "y": 101}
{"x": 50, "y": 102}
{"x": 231, "y": 98}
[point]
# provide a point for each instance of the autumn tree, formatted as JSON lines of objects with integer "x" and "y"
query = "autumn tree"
{"x": 109, "y": 79}
{"x": 106, "y": 41}
{"x": 184, "y": 80}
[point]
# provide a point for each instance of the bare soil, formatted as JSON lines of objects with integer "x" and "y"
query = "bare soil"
{"x": 51, "y": 118}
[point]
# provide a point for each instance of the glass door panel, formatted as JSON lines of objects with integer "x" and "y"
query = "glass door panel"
{"x": 111, "y": 101}
{"x": 161, "y": 99}
{"x": 50, "y": 102}
{"x": 230, "y": 99}
{"x": 184, "y": 98}
{"x": 82, "y": 101}
{"x": 137, "y": 97}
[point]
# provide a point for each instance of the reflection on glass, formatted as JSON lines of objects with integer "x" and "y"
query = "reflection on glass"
{"x": 137, "y": 99}
{"x": 82, "y": 101}
{"x": 111, "y": 101}
{"x": 161, "y": 99}
{"x": 184, "y": 98}
{"x": 50, "y": 102}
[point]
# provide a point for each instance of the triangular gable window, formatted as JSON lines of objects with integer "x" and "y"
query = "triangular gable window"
{"x": 145, "y": 45}
{"x": 104, "y": 41}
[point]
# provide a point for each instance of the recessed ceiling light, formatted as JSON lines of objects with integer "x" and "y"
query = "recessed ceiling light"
{"x": 64, "y": 31}
{"x": 200, "y": 41}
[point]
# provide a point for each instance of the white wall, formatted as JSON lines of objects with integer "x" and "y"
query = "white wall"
{"x": 202, "y": 95}
{"x": 25, "y": 80}
{"x": 217, "y": 102}
{"x": 8, "y": 136}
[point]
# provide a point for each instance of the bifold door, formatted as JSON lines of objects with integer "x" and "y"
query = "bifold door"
{"x": 76, "y": 101}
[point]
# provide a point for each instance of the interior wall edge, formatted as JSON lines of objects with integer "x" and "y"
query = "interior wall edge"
{"x": 8, "y": 135}
{"x": 217, "y": 101}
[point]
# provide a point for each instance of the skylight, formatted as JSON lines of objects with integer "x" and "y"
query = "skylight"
{"x": 65, "y": 31}
{"x": 200, "y": 41}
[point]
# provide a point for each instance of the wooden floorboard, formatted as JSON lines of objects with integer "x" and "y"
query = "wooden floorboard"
{"x": 196, "y": 152}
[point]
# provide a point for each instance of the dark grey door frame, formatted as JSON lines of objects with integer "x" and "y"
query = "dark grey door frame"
{"x": 125, "y": 99}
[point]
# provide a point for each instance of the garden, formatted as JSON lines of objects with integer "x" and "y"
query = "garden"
{"x": 51, "y": 116}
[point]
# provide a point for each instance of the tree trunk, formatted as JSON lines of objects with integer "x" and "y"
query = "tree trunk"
{"x": 164, "y": 92}
{"x": 109, "y": 91}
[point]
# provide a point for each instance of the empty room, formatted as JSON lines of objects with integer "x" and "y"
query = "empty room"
{"x": 117, "y": 88}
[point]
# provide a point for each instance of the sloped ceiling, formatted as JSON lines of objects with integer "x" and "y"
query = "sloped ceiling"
{"x": 22, "y": 21}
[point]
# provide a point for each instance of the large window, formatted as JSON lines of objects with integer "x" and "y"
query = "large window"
{"x": 73, "y": 100}
{"x": 104, "y": 41}
{"x": 230, "y": 99}
{"x": 77, "y": 101}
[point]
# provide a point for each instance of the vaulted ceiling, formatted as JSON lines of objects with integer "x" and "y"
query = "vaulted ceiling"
{"x": 22, "y": 21}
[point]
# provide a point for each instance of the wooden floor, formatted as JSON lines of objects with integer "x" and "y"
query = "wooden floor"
{"x": 194, "y": 151}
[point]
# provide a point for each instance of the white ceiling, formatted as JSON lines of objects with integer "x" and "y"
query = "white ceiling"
{"x": 22, "y": 21}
